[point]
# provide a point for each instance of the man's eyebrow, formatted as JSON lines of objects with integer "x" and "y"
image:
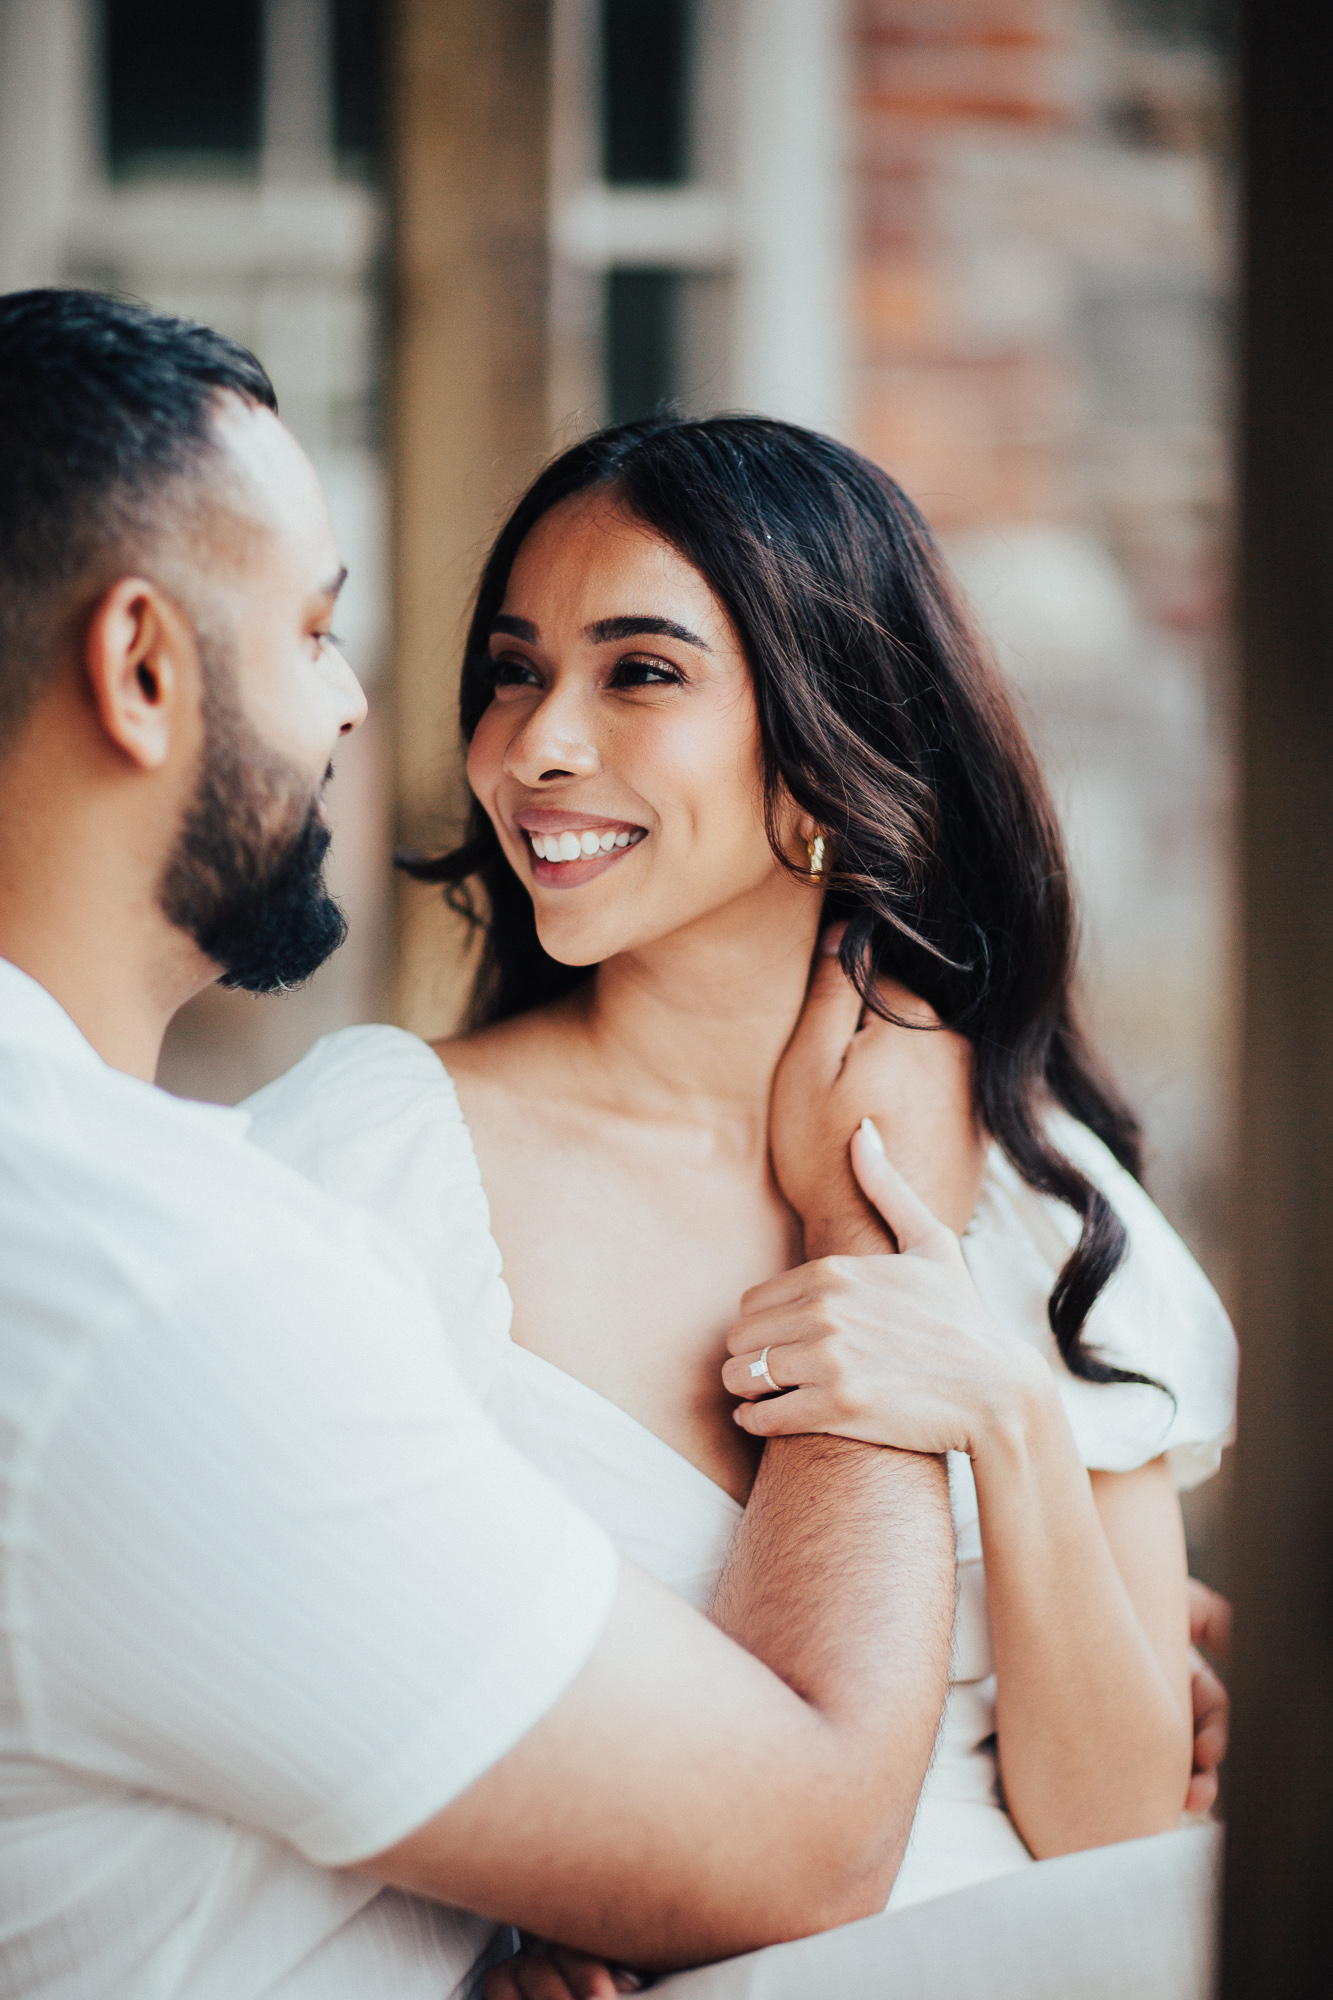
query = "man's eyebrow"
{"x": 517, "y": 628}
{"x": 607, "y": 629}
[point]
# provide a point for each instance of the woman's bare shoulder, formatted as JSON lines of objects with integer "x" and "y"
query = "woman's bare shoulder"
{"x": 523, "y": 1056}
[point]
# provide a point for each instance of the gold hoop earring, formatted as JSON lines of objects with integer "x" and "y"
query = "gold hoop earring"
{"x": 814, "y": 847}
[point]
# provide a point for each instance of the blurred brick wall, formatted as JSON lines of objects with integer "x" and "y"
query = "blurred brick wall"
{"x": 1042, "y": 275}
{"x": 1042, "y": 284}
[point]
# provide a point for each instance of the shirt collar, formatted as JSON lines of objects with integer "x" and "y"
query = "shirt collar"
{"x": 32, "y": 1017}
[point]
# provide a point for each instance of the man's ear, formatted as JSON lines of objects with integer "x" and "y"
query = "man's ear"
{"x": 136, "y": 653}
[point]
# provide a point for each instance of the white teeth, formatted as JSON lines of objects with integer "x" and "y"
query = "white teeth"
{"x": 580, "y": 846}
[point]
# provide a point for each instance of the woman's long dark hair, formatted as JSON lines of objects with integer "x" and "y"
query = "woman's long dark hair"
{"x": 882, "y": 718}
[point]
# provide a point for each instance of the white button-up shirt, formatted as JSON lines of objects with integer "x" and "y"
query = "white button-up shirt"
{"x": 272, "y": 1589}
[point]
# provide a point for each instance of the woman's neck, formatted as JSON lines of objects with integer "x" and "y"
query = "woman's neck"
{"x": 696, "y": 1023}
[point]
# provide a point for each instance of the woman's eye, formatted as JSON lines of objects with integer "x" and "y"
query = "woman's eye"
{"x": 510, "y": 673}
{"x": 333, "y": 639}
{"x": 645, "y": 673}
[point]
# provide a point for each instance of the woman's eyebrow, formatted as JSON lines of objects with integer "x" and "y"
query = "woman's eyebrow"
{"x": 607, "y": 629}
{"x": 517, "y": 628}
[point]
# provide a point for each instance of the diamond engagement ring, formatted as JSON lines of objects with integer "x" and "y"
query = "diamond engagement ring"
{"x": 759, "y": 1370}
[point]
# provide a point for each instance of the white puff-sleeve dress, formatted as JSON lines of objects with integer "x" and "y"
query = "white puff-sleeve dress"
{"x": 372, "y": 1115}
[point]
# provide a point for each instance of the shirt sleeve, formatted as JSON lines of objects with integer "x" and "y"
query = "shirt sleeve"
{"x": 277, "y": 1564}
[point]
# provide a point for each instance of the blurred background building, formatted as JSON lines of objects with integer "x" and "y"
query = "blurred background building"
{"x": 987, "y": 241}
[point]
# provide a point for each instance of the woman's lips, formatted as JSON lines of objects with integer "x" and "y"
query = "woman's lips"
{"x": 567, "y": 849}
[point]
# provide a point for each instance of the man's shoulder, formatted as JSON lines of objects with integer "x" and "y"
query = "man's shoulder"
{"x": 114, "y": 1182}
{"x": 153, "y": 1259}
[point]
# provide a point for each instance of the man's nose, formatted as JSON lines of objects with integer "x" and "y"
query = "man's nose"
{"x": 554, "y": 742}
{"x": 353, "y": 701}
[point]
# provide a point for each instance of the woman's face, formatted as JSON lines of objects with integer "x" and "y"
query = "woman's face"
{"x": 622, "y": 731}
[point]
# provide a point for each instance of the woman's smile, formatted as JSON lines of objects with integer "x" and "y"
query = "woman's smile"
{"x": 567, "y": 849}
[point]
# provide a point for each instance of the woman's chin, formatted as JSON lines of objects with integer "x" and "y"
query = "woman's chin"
{"x": 594, "y": 940}
{"x": 572, "y": 946}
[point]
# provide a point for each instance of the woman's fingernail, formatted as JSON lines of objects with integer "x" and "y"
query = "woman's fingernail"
{"x": 870, "y": 1133}
{"x": 830, "y": 940}
{"x": 628, "y": 1982}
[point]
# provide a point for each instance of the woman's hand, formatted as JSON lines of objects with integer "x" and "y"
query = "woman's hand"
{"x": 894, "y": 1350}
{"x": 1210, "y": 1626}
{"x": 916, "y": 1082}
{"x": 544, "y": 1971}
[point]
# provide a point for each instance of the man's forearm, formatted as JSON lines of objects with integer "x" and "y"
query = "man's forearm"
{"x": 841, "y": 1579}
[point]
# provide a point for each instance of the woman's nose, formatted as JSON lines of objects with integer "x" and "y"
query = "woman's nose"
{"x": 553, "y": 743}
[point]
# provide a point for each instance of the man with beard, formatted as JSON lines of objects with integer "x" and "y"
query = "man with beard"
{"x": 299, "y": 1661}
{"x": 245, "y": 881}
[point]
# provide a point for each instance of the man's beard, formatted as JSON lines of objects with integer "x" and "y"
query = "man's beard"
{"x": 246, "y": 880}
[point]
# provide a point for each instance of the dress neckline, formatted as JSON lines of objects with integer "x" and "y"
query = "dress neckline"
{"x": 515, "y": 1348}
{"x": 644, "y": 1435}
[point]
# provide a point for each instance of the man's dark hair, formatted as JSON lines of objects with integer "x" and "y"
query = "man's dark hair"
{"x": 104, "y": 407}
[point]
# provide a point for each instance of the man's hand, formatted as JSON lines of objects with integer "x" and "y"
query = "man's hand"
{"x": 1210, "y": 1626}
{"x": 915, "y": 1082}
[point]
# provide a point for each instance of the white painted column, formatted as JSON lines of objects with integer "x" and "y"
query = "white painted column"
{"x": 299, "y": 312}
{"x": 794, "y": 222}
{"x": 575, "y": 389}
{"x": 298, "y": 91}
{"x": 48, "y": 134}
